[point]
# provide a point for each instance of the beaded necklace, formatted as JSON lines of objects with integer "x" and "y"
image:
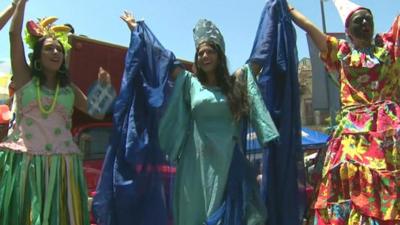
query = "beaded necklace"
{"x": 53, "y": 104}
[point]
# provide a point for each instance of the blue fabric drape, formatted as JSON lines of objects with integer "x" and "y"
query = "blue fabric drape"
{"x": 283, "y": 186}
{"x": 126, "y": 194}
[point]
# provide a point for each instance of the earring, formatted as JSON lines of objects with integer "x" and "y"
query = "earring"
{"x": 37, "y": 66}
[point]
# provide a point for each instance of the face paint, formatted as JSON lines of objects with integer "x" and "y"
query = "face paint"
{"x": 361, "y": 25}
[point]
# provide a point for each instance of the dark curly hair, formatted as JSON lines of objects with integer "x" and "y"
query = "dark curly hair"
{"x": 62, "y": 73}
{"x": 233, "y": 88}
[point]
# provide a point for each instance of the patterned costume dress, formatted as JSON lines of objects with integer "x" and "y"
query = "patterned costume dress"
{"x": 361, "y": 176}
{"x": 199, "y": 133}
{"x": 41, "y": 175}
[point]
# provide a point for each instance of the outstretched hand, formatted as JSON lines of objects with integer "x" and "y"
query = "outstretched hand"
{"x": 128, "y": 18}
{"x": 14, "y": 2}
{"x": 104, "y": 77}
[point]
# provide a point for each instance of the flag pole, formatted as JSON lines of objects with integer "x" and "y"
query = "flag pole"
{"x": 323, "y": 15}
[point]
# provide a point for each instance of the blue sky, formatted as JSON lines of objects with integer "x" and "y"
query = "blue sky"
{"x": 172, "y": 21}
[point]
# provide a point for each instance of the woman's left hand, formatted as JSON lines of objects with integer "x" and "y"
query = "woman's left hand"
{"x": 104, "y": 77}
{"x": 130, "y": 20}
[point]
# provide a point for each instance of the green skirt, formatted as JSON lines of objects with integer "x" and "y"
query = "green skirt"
{"x": 42, "y": 189}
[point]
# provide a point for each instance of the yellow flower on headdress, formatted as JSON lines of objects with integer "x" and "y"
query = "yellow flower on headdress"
{"x": 45, "y": 28}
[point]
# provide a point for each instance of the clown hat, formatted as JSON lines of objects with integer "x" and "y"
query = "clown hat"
{"x": 346, "y": 8}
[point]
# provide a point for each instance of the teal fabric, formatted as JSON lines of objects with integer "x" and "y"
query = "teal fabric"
{"x": 260, "y": 118}
{"x": 198, "y": 133}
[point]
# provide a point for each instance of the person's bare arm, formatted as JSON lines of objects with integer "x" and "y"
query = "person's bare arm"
{"x": 6, "y": 15}
{"x": 19, "y": 66}
{"x": 318, "y": 37}
{"x": 81, "y": 100}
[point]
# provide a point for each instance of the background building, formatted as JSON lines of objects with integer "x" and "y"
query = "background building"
{"x": 309, "y": 116}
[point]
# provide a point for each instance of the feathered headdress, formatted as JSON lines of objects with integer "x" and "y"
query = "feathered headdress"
{"x": 45, "y": 28}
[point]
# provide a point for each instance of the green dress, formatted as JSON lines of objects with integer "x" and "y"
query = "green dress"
{"x": 41, "y": 173}
{"x": 198, "y": 133}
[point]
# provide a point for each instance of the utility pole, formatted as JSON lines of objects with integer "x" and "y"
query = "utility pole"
{"x": 323, "y": 15}
{"x": 332, "y": 114}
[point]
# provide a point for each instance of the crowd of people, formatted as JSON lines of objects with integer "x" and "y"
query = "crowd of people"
{"x": 41, "y": 173}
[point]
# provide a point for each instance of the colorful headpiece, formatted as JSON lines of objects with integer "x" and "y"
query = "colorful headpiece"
{"x": 205, "y": 31}
{"x": 45, "y": 28}
{"x": 346, "y": 9}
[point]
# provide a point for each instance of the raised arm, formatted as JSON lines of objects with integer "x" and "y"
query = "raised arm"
{"x": 81, "y": 100}
{"x": 130, "y": 21}
{"x": 6, "y": 14}
{"x": 20, "y": 68}
{"x": 304, "y": 23}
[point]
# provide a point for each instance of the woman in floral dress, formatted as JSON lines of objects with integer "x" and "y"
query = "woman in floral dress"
{"x": 361, "y": 175}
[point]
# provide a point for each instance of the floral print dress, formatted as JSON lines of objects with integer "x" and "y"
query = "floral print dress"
{"x": 361, "y": 175}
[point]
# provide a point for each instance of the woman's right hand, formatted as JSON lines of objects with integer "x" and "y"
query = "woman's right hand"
{"x": 304, "y": 23}
{"x": 128, "y": 18}
{"x": 104, "y": 77}
{"x": 15, "y": 2}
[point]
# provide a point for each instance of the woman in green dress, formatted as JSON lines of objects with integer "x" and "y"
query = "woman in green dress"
{"x": 201, "y": 127}
{"x": 41, "y": 172}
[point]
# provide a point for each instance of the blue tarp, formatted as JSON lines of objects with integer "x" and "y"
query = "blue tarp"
{"x": 310, "y": 139}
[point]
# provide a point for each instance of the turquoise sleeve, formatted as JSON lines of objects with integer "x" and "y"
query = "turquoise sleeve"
{"x": 174, "y": 124}
{"x": 260, "y": 118}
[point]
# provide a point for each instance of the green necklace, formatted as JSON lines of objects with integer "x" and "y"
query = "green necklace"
{"x": 53, "y": 104}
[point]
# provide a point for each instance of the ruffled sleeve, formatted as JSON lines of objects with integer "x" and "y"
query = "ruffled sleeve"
{"x": 391, "y": 39}
{"x": 337, "y": 50}
{"x": 260, "y": 118}
{"x": 174, "y": 125}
